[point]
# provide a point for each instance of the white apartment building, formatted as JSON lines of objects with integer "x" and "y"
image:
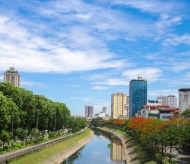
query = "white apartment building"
{"x": 150, "y": 108}
{"x": 170, "y": 100}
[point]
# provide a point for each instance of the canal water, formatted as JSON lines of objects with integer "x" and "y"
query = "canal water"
{"x": 104, "y": 148}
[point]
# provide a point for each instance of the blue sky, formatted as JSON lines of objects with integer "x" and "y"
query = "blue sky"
{"x": 79, "y": 52}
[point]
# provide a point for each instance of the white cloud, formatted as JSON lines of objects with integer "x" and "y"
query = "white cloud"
{"x": 174, "y": 40}
{"x": 163, "y": 92}
{"x": 32, "y": 83}
{"x": 41, "y": 55}
{"x": 99, "y": 88}
{"x": 154, "y": 6}
{"x": 112, "y": 82}
{"x": 150, "y": 74}
{"x": 88, "y": 99}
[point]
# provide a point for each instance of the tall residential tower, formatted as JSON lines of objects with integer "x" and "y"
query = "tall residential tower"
{"x": 118, "y": 105}
{"x": 12, "y": 76}
{"x": 137, "y": 95}
{"x": 88, "y": 111}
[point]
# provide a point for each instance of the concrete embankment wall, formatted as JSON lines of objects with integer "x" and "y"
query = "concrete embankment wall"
{"x": 129, "y": 152}
{"x": 27, "y": 150}
{"x": 59, "y": 158}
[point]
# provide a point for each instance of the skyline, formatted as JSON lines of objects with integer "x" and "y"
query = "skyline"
{"x": 81, "y": 52}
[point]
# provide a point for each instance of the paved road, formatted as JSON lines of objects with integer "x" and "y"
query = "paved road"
{"x": 181, "y": 157}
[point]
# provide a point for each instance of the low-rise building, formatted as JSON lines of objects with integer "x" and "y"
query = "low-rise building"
{"x": 156, "y": 110}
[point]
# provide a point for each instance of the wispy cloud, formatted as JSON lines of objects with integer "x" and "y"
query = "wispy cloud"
{"x": 155, "y": 6}
{"x": 175, "y": 40}
{"x": 151, "y": 74}
{"x": 162, "y": 92}
{"x": 88, "y": 99}
{"x": 99, "y": 88}
{"x": 32, "y": 83}
{"x": 113, "y": 82}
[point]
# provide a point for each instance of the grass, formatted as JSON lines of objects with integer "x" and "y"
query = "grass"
{"x": 48, "y": 152}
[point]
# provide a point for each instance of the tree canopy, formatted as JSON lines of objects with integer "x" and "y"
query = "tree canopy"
{"x": 20, "y": 108}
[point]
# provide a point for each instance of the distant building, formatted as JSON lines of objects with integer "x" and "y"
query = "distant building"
{"x": 184, "y": 99}
{"x": 154, "y": 109}
{"x": 167, "y": 113}
{"x": 12, "y": 76}
{"x": 104, "y": 109}
{"x": 88, "y": 111}
{"x": 170, "y": 100}
{"x": 151, "y": 109}
{"x": 137, "y": 95}
{"x": 118, "y": 105}
{"x": 101, "y": 114}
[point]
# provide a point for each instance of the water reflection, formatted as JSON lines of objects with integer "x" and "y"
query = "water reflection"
{"x": 102, "y": 149}
{"x": 116, "y": 152}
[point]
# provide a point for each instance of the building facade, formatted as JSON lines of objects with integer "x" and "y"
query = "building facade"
{"x": 12, "y": 76}
{"x": 170, "y": 100}
{"x": 184, "y": 99}
{"x": 104, "y": 109}
{"x": 88, "y": 111}
{"x": 137, "y": 95}
{"x": 118, "y": 105}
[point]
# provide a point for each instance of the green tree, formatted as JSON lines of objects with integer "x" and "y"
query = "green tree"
{"x": 4, "y": 137}
{"x": 186, "y": 113}
{"x": 22, "y": 134}
{"x": 98, "y": 121}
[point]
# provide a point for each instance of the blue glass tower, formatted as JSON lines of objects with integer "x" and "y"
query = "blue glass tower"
{"x": 137, "y": 95}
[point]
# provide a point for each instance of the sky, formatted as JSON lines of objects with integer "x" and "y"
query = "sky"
{"x": 80, "y": 52}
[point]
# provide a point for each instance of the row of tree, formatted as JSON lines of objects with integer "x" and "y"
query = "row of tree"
{"x": 21, "y": 109}
{"x": 154, "y": 134}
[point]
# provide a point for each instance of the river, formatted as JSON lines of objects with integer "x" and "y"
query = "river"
{"x": 104, "y": 148}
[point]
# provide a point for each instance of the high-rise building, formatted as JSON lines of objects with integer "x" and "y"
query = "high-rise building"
{"x": 137, "y": 95}
{"x": 184, "y": 99}
{"x": 170, "y": 100}
{"x": 118, "y": 105}
{"x": 104, "y": 109}
{"x": 12, "y": 76}
{"x": 88, "y": 111}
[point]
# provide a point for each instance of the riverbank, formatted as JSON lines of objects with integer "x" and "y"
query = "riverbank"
{"x": 57, "y": 152}
{"x": 129, "y": 151}
{"x": 57, "y": 159}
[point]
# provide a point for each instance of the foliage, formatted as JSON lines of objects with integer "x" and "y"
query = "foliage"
{"x": 75, "y": 124}
{"x": 22, "y": 133}
{"x": 20, "y": 108}
{"x": 186, "y": 113}
{"x": 4, "y": 137}
{"x": 98, "y": 122}
{"x": 25, "y": 116}
{"x": 155, "y": 135}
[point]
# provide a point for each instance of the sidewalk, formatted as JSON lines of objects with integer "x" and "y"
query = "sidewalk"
{"x": 182, "y": 157}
